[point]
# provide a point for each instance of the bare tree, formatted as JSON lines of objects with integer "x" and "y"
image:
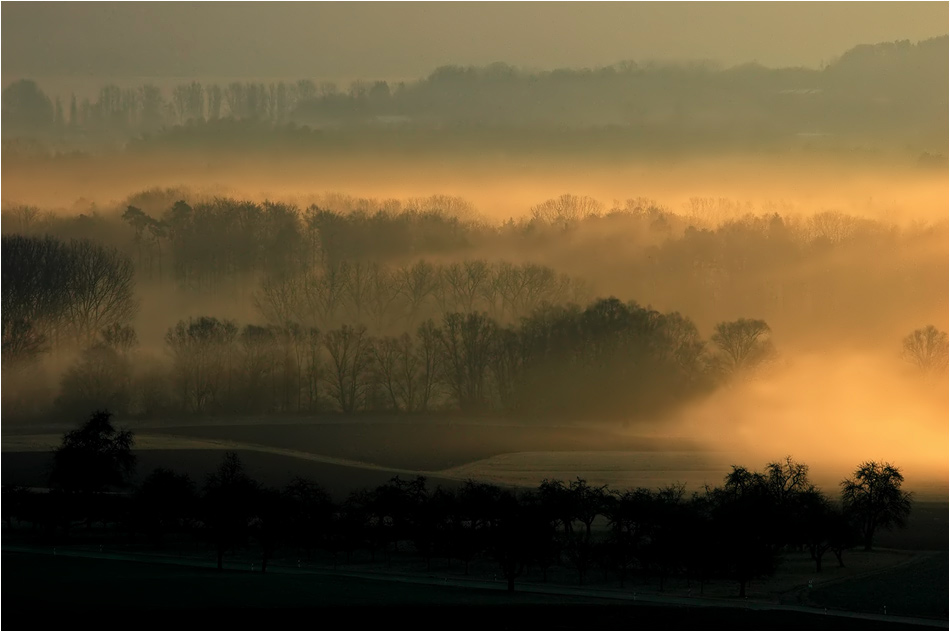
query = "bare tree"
{"x": 101, "y": 289}
{"x": 383, "y": 294}
{"x": 926, "y": 349}
{"x": 416, "y": 284}
{"x": 428, "y": 356}
{"x": 466, "y": 344}
{"x": 743, "y": 343}
{"x": 787, "y": 478}
{"x": 258, "y": 360}
{"x": 358, "y": 289}
{"x": 566, "y": 209}
{"x": 385, "y": 355}
{"x": 350, "y": 357}
{"x": 202, "y": 352}
{"x": 35, "y": 274}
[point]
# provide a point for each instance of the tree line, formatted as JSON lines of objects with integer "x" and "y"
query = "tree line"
{"x": 352, "y": 320}
{"x": 610, "y": 359}
{"x": 669, "y": 97}
{"x": 362, "y": 259}
{"x": 737, "y": 531}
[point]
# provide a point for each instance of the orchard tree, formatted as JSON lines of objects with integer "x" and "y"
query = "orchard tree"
{"x": 94, "y": 458}
{"x": 873, "y": 498}
{"x": 227, "y": 503}
{"x": 166, "y": 502}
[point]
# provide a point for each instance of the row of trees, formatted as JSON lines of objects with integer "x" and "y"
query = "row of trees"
{"x": 356, "y": 264}
{"x": 715, "y": 253}
{"x": 391, "y": 298}
{"x": 80, "y": 294}
{"x": 146, "y": 108}
{"x": 608, "y": 359}
{"x": 738, "y": 530}
{"x": 664, "y": 96}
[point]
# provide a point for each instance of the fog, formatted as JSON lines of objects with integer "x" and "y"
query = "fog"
{"x": 832, "y": 410}
{"x": 506, "y": 187}
{"x": 567, "y": 239}
{"x": 343, "y": 40}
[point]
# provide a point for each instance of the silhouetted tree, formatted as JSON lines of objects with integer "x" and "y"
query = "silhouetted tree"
{"x": 310, "y": 512}
{"x": 465, "y": 354}
{"x": 202, "y": 351}
{"x": 511, "y": 536}
{"x": 227, "y": 504}
{"x": 743, "y": 512}
{"x": 269, "y": 523}
{"x": 166, "y": 502}
{"x": 872, "y": 496}
{"x": 348, "y": 366}
{"x": 820, "y": 526}
{"x": 93, "y": 458}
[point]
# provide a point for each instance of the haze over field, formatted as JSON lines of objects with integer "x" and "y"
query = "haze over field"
{"x": 377, "y": 40}
{"x": 645, "y": 297}
{"x": 653, "y": 289}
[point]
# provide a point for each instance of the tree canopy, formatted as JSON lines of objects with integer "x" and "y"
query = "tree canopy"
{"x": 94, "y": 458}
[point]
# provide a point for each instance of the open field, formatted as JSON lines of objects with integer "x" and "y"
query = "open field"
{"x": 504, "y": 453}
{"x": 919, "y": 587}
{"x": 80, "y": 592}
{"x": 29, "y": 469}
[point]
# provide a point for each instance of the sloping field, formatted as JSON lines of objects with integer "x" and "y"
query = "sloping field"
{"x": 918, "y": 587}
{"x": 31, "y": 469}
{"x": 508, "y": 454}
{"x": 619, "y": 470}
{"x": 425, "y": 445}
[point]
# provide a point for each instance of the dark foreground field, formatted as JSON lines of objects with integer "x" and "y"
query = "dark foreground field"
{"x": 919, "y": 588}
{"x": 79, "y": 593}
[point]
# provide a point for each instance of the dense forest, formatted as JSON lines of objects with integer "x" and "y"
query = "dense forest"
{"x": 410, "y": 308}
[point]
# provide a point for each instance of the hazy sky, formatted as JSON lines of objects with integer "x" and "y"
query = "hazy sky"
{"x": 405, "y": 40}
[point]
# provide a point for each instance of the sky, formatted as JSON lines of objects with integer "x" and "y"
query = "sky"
{"x": 407, "y": 40}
